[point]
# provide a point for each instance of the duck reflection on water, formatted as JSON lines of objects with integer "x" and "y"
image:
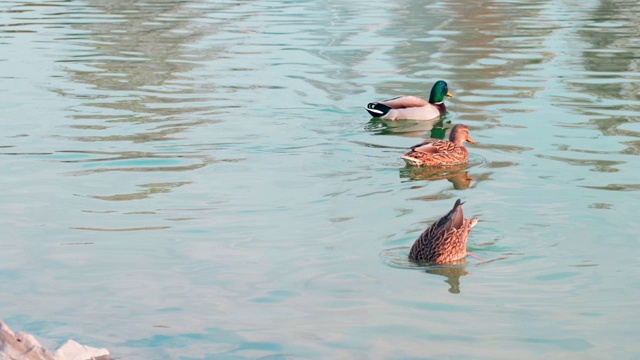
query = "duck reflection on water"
{"x": 434, "y": 128}
{"x": 461, "y": 180}
{"x": 452, "y": 272}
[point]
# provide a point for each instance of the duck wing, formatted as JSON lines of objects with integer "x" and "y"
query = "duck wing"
{"x": 405, "y": 101}
{"x": 434, "y": 146}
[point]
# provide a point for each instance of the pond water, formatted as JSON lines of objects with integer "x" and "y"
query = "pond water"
{"x": 200, "y": 180}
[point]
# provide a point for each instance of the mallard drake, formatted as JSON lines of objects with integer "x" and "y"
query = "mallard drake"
{"x": 445, "y": 241}
{"x": 412, "y": 107}
{"x": 435, "y": 152}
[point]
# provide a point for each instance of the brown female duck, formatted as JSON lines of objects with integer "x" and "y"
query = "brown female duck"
{"x": 445, "y": 241}
{"x": 433, "y": 152}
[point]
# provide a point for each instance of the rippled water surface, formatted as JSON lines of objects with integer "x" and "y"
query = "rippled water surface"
{"x": 199, "y": 180}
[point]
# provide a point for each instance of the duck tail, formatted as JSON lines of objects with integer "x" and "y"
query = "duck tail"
{"x": 377, "y": 109}
{"x": 411, "y": 160}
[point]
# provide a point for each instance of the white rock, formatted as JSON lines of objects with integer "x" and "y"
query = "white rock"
{"x": 72, "y": 350}
{"x": 22, "y": 346}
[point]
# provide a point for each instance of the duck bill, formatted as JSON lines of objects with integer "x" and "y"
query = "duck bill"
{"x": 469, "y": 139}
{"x": 449, "y": 94}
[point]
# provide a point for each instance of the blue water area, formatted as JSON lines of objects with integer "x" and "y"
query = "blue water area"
{"x": 200, "y": 179}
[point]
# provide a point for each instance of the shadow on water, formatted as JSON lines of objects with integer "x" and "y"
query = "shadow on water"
{"x": 398, "y": 258}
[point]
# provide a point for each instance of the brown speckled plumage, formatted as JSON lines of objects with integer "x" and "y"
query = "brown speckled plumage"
{"x": 445, "y": 241}
{"x": 434, "y": 152}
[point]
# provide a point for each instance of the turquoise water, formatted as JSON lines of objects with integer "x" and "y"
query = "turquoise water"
{"x": 199, "y": 179}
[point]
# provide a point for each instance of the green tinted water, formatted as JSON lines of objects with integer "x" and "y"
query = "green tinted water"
{"x": 199, "y": 180}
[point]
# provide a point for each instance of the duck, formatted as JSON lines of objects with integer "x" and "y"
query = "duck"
{"x": 406, "y": 107}
{"x": 436, "y": 152}
{"x": 445, "y": 241}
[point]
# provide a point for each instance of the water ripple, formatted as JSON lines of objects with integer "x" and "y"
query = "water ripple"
{"x": 218, "y": 153}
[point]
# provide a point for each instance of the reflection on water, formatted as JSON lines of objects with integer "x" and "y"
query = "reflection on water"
{"x": 134, "y": 69}
{"x": 399, "y": 258}
{"x": 460, "y": 180}
{"x": 148, "y": 190}
{"x": 452, "y": 273}
{"x": 233, "y": 195}
{"x": 616, "y": 187}
{"x": 597, "y": 165}
{"x": 428, "y": 129}
{"x": 454, "y": 174}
